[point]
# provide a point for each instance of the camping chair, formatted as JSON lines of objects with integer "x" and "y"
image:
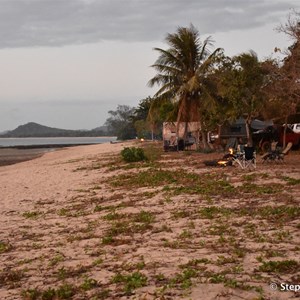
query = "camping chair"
{"x": 171, "y": 144}
{"x": 280, "y": 155}
{"x": 247, "y": 159}
{"x": 273, "y": 146}
{"x": 270, "y": 155}
{"x": 235, "y": 156}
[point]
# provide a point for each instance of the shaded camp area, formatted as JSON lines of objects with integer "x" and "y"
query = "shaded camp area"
{"x": 235, "y": 133}
{"x": 178, "y": 137}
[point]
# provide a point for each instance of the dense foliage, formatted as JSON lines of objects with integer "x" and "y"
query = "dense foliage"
{"x": 133, "y": 154}
{"x": 120, "y": 122}
{"x": 198, "y": 84}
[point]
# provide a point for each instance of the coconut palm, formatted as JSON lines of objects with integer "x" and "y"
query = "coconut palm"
{"x": 183, "y": 73}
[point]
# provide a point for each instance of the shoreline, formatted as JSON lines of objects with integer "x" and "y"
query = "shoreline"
{"x": 47, "y": 146}
{"x": 16, "y": 154}
{"x": 11, "y": 155}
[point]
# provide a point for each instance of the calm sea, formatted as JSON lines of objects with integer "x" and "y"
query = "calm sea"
{"x": 7, "y": 142}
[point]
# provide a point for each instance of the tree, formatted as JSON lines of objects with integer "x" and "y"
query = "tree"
{"x": 182, "y": 73}
{"x": 161, "y": 110}
{"x": 120, "y": 122}
{"x": 242, "y": 85}
{"x": 140, "y": 121}
{"x": 283, "y": 88}
{"x": 145, "y": 123}
{"x": 287, "y": 85}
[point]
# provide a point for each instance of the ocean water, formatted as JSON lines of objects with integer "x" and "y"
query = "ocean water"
{"x": 8, "y": 142}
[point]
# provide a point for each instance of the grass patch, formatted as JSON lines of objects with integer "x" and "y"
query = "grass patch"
{"x": 144, "y": 217}
{"x": 280, "y": 267}
{"x": 135, "y": 223}
{"x": 184, "y": 279}
{"x": 88, "y": 284}
{"x": 131, "y": 281}
{"x": 175, "y": 182}
{"x": 56, "y": 259}
{"x": 260, "y": 189}
{"x": 279, "y": 213}
{"x": 5, "y": 247}
{"x": 290, "y": 180}
{"x": 195, "y": 262}
{"x": 148, "y": 178}
{"x": 30, "y": 294}
{"x": 31, "y": 214}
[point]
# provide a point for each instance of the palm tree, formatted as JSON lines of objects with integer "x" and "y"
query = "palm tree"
{"x": 183, "y": 73}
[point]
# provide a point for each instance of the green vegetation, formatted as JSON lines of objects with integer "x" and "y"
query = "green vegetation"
{"x": 65, "y": 291}
{"x": 49, "y": 294}
{"x": 196, "y": 82}
{"x": 88, "y": 284}
{"x": 290, "y": 180}
{"x": 30, "y": 294}
{"x": 133, "y": 154}
{"x": 4, "y": 247}
{"x": 186, "y": 182}
{"x": 184, "y": 279}
{"x": 131, "y": 281}
{"x": 281, "y": 267}
{"x": 31, "y": 214}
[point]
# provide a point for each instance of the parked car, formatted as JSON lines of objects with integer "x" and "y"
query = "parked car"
{"x": 264, "y": 138}
{"x": 295, "y": 127}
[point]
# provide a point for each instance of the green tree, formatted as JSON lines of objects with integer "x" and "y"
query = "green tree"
{"x": 183, "y": 73}
{"x": 120, "y": 122}
{"x": 287, "y": 83}
{"x": 283, "y": 88}
{"x": 144, "y": 123}
{"x": 161, "y": 110}
{"x": 242, "y": 83}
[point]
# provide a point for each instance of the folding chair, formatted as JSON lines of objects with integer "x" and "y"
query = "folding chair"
{"x": 247, "y": 159}
{"x": 281, "y": 155}
{"x": 272, "y": 154}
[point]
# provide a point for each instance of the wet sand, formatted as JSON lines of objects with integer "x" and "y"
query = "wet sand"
{"x": 10, "y": 156}
{"x": 16, "y": 154}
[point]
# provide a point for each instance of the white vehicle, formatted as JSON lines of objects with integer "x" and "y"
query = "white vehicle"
{"x": 296, "y": 127}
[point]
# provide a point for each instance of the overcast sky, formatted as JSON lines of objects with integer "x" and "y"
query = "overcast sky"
{"x": 65, "y": 63}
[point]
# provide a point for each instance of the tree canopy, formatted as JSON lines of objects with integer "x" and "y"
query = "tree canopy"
{"x": 183, "y": 72}
{"x": 196, "y": 83}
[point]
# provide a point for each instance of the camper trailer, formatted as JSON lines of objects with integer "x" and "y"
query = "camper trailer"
{"x": 183, "y": 137}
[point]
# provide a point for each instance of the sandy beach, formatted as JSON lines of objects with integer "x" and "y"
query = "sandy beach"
{"x": 78, "y": 223}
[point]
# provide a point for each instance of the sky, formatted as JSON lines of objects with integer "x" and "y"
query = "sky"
{"x": 66, "y": 63}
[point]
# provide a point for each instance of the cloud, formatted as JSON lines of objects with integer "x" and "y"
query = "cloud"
{"x": 28, "y": 23}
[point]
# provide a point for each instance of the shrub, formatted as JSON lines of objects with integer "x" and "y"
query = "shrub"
{"x": 133, "y": 154}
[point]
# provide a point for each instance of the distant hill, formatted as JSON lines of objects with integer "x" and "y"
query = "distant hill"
{"x": 32, "y": 129}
